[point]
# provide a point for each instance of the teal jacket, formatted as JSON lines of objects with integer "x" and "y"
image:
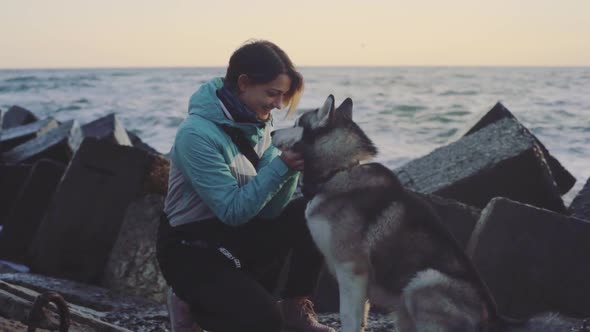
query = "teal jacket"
{"x": 209, "y": 177}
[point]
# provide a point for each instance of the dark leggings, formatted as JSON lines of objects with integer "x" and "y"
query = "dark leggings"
{"x": 227, "y": 295}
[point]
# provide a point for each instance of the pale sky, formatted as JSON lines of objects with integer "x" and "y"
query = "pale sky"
{"x": 134, "y": 33}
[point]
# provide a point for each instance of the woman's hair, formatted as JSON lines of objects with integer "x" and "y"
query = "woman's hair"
{"x": 263, "y": 61}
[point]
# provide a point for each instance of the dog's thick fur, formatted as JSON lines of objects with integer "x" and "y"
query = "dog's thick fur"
{"x": 384, "y": 244}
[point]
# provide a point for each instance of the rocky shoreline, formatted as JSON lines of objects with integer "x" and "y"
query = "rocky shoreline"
{"x": 125, "y": 313}
{"x": 81, "y": 205}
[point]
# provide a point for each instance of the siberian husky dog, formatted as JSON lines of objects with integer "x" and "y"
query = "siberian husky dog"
{"x": 384, "y": 245}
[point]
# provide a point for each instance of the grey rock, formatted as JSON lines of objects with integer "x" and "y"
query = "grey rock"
{"x": 77, "y": 234}
{"x": 580, "y": 206}
{"x": 501, "y": 159}
{"x": 563, "y": 178}
{"x": 458, "y": 218}
{"x": 58, "y": 144}
{"x": 28, "y": 209}
{"x": 107, "y": 128}
{"x": 12, "y": 178}
{"x": 533, "y": 260}
{"x": 132, "y": 267}
{"x": 138, "y": 143}
{"x": 12, "y": 137}
{"x": 17, "y": 116}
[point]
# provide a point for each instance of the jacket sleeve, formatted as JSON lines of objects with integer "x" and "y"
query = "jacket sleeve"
{"x": 200, "y": 158}
{"x": 281, "y": 199}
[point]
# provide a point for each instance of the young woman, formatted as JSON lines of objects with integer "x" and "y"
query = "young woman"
{"x": 229, "y": 222}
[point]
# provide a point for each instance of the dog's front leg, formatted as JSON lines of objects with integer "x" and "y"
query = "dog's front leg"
{"x": 353, "y": 283}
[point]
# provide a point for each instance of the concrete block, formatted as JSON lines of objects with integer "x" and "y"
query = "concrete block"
{"x": 15, "y": 136}
{"x": 107, "y": 128}
{"x": 82, "y": 223}
{"x": 138, "y": 143}
{"x": 17, "y": 116}
{"x": 58, "y": 144}
{"x": 132, "y": 267}
{"x": 501, "y": 159}
{"x": 458, "y": 218}
{"x": 580, "y": 206}
{"x": 563, "y": 178}
{"x": 12, "y": 178}
{"x": 533, "y": 260}
{"x": 28, "y": 209}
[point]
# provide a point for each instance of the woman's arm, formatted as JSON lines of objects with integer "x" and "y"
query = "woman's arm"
{"x": 274, "y": 207}
{"x": 200, "y": 159}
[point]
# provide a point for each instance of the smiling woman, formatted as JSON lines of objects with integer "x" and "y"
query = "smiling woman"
{"x": 262, "y": 98}
{"x": 229, "y": 221}
{"x": 263, "y": 77}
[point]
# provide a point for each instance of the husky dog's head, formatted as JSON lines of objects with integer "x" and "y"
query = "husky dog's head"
{"x": 328, "y": 139}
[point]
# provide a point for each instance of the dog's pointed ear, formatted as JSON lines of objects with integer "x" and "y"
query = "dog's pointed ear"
{"x": 345, "y": 109}
{"x": 326, "y": 109}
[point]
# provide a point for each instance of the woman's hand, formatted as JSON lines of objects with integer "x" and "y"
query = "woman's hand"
{"x": 293, "y": 159}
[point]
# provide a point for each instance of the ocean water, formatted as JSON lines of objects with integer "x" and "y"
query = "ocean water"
{"x": 407, "y": 111}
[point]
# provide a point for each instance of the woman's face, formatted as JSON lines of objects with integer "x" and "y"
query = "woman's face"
{"x": 263, "y": 98}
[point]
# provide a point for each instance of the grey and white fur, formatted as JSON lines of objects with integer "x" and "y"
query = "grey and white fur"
{"x": 384, "y": 244}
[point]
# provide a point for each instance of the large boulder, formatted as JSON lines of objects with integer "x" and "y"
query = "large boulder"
{"x": 28, "y": 209}
{"x": 58, "y": 144}
{"x": 79, "y": 230}
{"x": 563, "y": 178}
{"x": 107, "y": 128}
{"x": 15, "y": 136}
{"x": 17, "y": 116}
{"x": 501, "y": 159}
{"x": 533, "y": 260}
{"x": 458, "y": 218}
{"x": 12, "y": 178}
{"x": 138, "y": 143}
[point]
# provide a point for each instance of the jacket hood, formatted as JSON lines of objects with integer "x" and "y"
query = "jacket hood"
{"x": 204, "y": 102}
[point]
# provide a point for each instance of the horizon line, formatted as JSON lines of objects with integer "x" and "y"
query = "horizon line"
{"x": 302, "y": 66}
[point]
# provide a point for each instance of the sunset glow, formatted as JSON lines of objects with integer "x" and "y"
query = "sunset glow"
{"x": 71, "y": 33}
